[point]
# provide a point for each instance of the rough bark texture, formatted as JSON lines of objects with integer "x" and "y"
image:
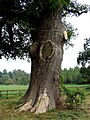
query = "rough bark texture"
{"x": 43, "y": 93}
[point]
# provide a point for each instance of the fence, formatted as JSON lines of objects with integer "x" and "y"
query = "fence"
{"x": 77, "y": 86}
{"x": 11, "y": 93}
{"x": 8, "y": 93}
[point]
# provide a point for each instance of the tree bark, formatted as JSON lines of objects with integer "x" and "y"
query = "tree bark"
{"x": 44, "y": 90}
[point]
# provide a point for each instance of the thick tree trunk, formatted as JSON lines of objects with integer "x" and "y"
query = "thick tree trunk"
{"x": 44, "y": 90}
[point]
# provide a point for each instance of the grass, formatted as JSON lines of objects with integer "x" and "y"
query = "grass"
{"x": 85, "y": 87}
{"x": 8, "y": 94}
{"x": 7, "y": 110}
{"x": 13, "y": 87}
{"x": 75, "y": 85}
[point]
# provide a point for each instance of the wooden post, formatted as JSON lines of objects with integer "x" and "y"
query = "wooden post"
{"x": 0, "y": 93}
{"x": 6, "y": 94}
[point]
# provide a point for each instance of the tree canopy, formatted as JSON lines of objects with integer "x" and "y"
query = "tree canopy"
{"x": 19, "y": 20}
{"x": 84, "y": 56}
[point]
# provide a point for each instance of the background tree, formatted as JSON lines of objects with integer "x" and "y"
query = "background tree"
{"x": 16, "y": 77}
{"x": 85, "y": 74}
{"x": 84, "y": 56}
{"x": 1, "y": 82}
{"x": 20, "y": 77}
{"x": 40, "y": 22}
{"x": 5, "y": 77}
{"x": 72, "y": 76}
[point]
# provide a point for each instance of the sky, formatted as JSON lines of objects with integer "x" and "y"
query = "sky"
{"x": 82, "y": 23}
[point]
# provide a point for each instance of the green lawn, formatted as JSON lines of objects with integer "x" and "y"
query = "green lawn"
{"x": 9, "y": 91}
{"x": 7, "y": 112}
{"x": 13, "y": 87}
{"x": 23, "y": 87}
{"x": 84, "y": 87}
{"x": 75, "y": 85}
{"x": 8, "y": 106}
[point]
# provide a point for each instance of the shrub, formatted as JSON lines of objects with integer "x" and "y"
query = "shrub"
{"x": 74, "y": 98}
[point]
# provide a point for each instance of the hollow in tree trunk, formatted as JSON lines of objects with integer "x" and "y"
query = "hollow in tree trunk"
{"x": 46, "y": 56}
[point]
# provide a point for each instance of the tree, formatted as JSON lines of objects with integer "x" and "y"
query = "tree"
{"x": 5, "y": 77}
{"x": 85, "y": 74}
{"x": 16, "y": 77}
{"x": 72, "y": 75}
{"x": 84, "y": 56}
{"x": 40, "y": 22}
{"x": 20, "y": 77}
{"x": 1, "y": 82}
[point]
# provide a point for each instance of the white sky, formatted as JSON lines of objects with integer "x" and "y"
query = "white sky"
{"x": 83, "y": 25}
{"x": 70, "y": 55}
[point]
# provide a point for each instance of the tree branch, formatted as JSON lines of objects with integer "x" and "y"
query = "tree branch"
{"x": 75, "y": 11}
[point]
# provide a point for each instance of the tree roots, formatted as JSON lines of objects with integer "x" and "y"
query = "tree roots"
{"x": 41, "y": 105}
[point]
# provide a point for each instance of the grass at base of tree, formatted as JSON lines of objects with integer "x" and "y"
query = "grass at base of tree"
{"x": 7, "y": 112}
{"x": 7, "y": 109}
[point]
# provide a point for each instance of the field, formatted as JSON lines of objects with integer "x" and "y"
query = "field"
{"x": 8, "y": 106}
{"x": 13, "y": 87}
{"x": 8, "y": 91}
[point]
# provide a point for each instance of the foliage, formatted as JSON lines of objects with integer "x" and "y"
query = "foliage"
{"x": 16, "y": 77}
{"x": 76, "y": 75}
{"x": 74, "y": 98}
{"x": 84, "y": 56}
{"x": 75, "y": 8}
{"x": 20, "y": 19}
{"x": 72, "y": 75}
{"x": 85, "y": 74}
{"x": 71, "y": 32}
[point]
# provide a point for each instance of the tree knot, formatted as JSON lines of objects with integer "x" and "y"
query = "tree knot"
{"x": 47, "y": 50}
